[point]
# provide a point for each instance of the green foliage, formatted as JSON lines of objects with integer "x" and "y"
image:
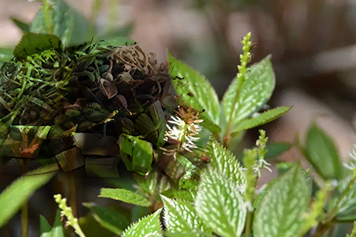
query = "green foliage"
{"x": 280, "y": 212}
{"x": 124, "y": 195}
{"x": 147, "y": 226}
{"x": 178, "y": 188}
{"x": 57, "y": 18}
{"x": 220, "y": 205}
{"x": 14, "y": 196}
{"x": 196, "y": 91}
{"x": 47, "y": 231}
{"x": 109, "y": 218}
{"x": 321, "y": 152}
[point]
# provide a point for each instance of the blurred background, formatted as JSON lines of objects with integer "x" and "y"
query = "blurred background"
{"x": 312, "y": 43}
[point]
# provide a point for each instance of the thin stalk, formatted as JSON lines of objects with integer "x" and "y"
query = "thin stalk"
{"x": 73, "y": 194}
{"x": 47, "y": 15}
{"x": 248, "y": 224}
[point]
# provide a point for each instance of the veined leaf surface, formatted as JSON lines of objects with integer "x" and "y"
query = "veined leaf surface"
{"x": 195, "y": 90}
{"x": 254, "y": 93}
{"x": 148, "y": 226}
{"x": 180, "y": 216}
{"x": 280, "y": 212}
{"x": 220, "y": 205}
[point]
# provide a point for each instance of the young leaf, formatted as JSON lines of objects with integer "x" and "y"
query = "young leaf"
{"x": 64, "y": 22}
{"x": 280, "y": 212}
{"x": 180, "y": 216}
{"x": 13, "y": 197}
{"x": 224, "y": 162}
{"x": 261, "y": 119}
{"x": 220, "y": 205}
{"x": 321, "y": 152}
{"x": 124, "y": 195}
{"x": 32, "y": 43}
{"x": 147, "y": 226}
{"x": 47, "y": 231}
{"x": 194, "y": 89}
{"x": 254, "y": 93}
{"x": 24, "y": 26}
{"x": 347, "y": 204}
{"x": 109, "y": 218}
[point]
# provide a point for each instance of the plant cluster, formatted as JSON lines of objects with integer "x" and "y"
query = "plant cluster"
{"x": 115, "y": 104}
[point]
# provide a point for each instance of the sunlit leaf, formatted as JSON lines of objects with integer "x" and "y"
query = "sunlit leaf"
{"x": 147, "y": 226}
{"x": 195, "y": 90}
{"x": 64, "y": 22}
{"x": 322, "y": 153}
{"x": 220, "y": 205}
{"x": 254, "y": 93}
{"x": 180, "y": 216}
{"x": 109, "y": 218}
{"x": 261, "y": 119}
{"x": 32, "y": 43}
{"x": 6, "y": 54}
{"x": 224, "y": 162}
{"x": 14, "y": 196}
{"x": 124, "y": 195}
{"x": 280, "y": 212}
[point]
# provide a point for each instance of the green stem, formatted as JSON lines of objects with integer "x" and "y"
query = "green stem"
{"x": 24, "y": 208}
{"x": 248, "y": 224}
{"x": 46, "y": 8}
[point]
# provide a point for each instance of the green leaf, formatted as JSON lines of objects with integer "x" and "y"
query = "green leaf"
{"x": 109, "y": 218}
{"x": 24, "y": 26}
{"x": 92, "y": 228}
{"x": 321, "y": 152}
{"x": 275, "y": 149}
{"x": 119, "y": 41}
{"x": 224, "y": 162}
{"x": 347, "y": 205}
{"x": 261, "y": 119}
{"x": 47, "y": 231}
{"x": 280, "y": 212}
{"x": 147, "y": 226}
{"x": 220, "y": 205}
{"x": 180, "y": 216}
{"x": 66, "y": 23}
{"x": 195, "y": 90}
{"x": 14, "y": 196}
{"x": 254, "y": 93}
{"x": 124, "y": 195}
{"x": 140, "y": 152}
{"x": 5, "y": 55}
{"x": 32, "y": 43}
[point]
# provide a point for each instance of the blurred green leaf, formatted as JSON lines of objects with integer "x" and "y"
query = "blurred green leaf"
{"x": 119, "y": 41}
{"x": 224, "y": 162}
{"x": 92, "y": 228}
{"x": 280, "y": 212}
{"x": 14, "y": 196}
{"x": 32, "y": 43}
{"x": 276, "y": 149}
{"x": 321, "y": 152}
{"x": 121, "y": 32}
{"x": 347, "y": 204}
{"x": 180, "y": 216}
{"x": 6, "y": 54}
{"x": 124, "y": 195}
{"x": 147, "y": 226}
{"x": 196, "y": 91}
{"x": 24, "y": 26}
{"x": 220, "y": 205}
{"x": 66, "y": 23}
{"x": 109, "y": 218}
{"x": 47, "y": 231}
{"x": 254, "y": 93}
{"x": 261, "y": 119}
